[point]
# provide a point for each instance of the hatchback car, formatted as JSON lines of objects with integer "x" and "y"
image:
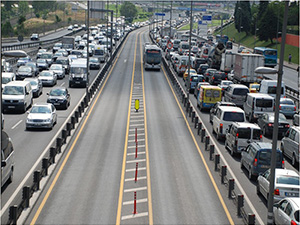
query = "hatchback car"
{"x": 36, "y": 85}
{"x": 287, "y": 211}
{"x": 48, "y": 78}
{"x": 42, "y": 64}
{"x": 287, "y": 107}
{"x": 23, "y": 72}
{"x": 202, "y": 68}
{"x": 40, "y": 52}
{"x": 34, "y": 37}
{"x": 290, "y": 144}
{"x": 192, "y": 72}
{"x": 59, "y": 97}
{"x": 266, "y": 123}
{"x": 224, "y": 84}
{"x": 58, "y": 70}
{"x": 208, "y": 73}
{"x": 56, "y": 47}
{"x": 94, "y": 63}
{"x": 64, "y": 61}
{"x": 217, "y": 77}
{"x": 41, "y": 115}
{"x": 287, "y": 184}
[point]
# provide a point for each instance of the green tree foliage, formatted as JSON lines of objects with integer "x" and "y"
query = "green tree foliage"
{"x": 69, "y": 20}
{"x": 293, "y": 16}
{"x": 39, "y": 6}
{"x": 242, "y": 16}
{"x": 263, "y": 5}
{"x": 23, "y": 8}
{"x": 21, "y": 20}
{"x": 57, "y": 19}
{"x": 7, "y": 29}
{"x": 254, "y": 20}
{"x": 129, "y": 11}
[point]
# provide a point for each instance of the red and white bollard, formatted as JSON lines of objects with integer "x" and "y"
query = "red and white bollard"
{"x": 135, "y": 134}
{"x": 136, "y": 172}
{"x": 134, "y": 204}
{"x": 136, "y": 149}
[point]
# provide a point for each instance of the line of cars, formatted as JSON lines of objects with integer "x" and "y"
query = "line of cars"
{"x": 230, "y": 106}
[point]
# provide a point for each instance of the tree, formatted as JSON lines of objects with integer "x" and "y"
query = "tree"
{"x": 23, "y": 8}
{"x": 7, "y": 29}
{"x": 263, "y": 5}
{"x": 129, "y": 11}
{"x": 242, "y": 16}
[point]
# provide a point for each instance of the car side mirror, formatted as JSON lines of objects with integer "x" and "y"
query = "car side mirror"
{"x": 276, "y": 205}
{"x": 243, "y": 149}
{"x": 248, "y": 141}
{"x": 3, "y": 163}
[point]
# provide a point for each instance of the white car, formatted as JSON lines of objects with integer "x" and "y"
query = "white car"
{"x": 287, "y": 184}
{"x": 287, "y": 211}
{"x": 48, "y": 78}
{"x": 58, "y": 69}
{"x": 41, "y": 115}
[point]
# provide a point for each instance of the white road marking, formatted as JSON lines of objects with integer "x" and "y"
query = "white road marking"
{"x": 125, "y": 60}
{"x": 139, "y": 153}
{"x": 137, "y": 201}
{"x": 136, "y": 161}
{"x": 139, "y": 146}
{"x": 16, "y": 124}
{"x": 132, "y": 135}
{"x": 63, "y": 83}
{"x": 132, "y": 170}
{"x": 137, "y": 140}
{"x": 135, "y": 189}
{"x": 138, "y": 178}
{"x": 134, "y": 216}
{"x": 137, "y": 129}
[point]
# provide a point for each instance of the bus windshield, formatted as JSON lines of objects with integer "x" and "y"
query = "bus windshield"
{"x": 153, "y": 56}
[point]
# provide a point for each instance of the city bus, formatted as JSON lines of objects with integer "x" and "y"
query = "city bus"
{"x": 270, "y": 55}
{"x": 152, "y": 57}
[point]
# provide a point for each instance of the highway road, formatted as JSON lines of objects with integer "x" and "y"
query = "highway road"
{"x": 97, "y": 181}
{"x": 96, "y": 184}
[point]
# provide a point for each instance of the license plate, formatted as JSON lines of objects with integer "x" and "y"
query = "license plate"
{"x": 289, "y": 194}
{"x": 77, "y": 82}
{"x": 265, "y": 166}
{"x": 11, "y": 107}
{"x": 56, "y": 103}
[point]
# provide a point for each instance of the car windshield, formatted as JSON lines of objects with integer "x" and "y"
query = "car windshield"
{"x": 195, "y": 78}
{"x": 61, "y": 61}
{"x": 226, "y": 83}
{"x": 46, "y": 74}
{"x": 24, "y": 69}
{"x": 40, "y": 109}
{"x": 234, "y": 116}
{"x": 292, "y": 180}
{"x": 12, "y": 90}
{"x": 264, "y": 103}
{"x": 240, "y": 91}
{"x": 5, "y": 80}
{"x": 94, "y": 60}
{"x": 57, "y": 92}
{"x": 33, "y": 82}
{"x": 46, "y": 56}
{"x": 287, "y": 102}
{"x": 281, "y": 117}
{"x": 78, "y": 70}
{"x": 257, "y": 134}
{"x": 55, "y": 67}
{"x": 41, "y": 61}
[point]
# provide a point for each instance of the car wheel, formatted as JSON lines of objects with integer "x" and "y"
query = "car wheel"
{"x": 258, "y": 189}
{"x": 265, "y": 132}
{"x": 282, "y": 148}
{"x": 66, "y": 105}
{"x": 24, "y": 109}
{"x": 10, "y": 179}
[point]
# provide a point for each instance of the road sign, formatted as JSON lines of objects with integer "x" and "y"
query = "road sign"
{"x": 170, "y": 45}
{"x": 20, "y": 38}
{"x": 189, "y": 9}
{"x": 200, "y": 22}
{"x": 206, "y": 17}
{"x": 160, "y": 14}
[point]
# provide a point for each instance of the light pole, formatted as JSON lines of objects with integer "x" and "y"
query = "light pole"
{"x": 277, "y": 3}
{"x": 190, "y": 42}
{"x": 240, "y": 27}
{"x": 266, "y": 70}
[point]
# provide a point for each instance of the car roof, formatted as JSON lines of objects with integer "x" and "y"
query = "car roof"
{"x": 17, "y": 83}
{"x": 239, "y": 85}
{"x": 42, "y": 104}
{"x": 231, "y": 108}
{"x": 63, "y": 88}
{"x": 263, "y": 145}
{"x": 246, "y": 125}
{"x": 295, "y": 202}
{"x": 260, "y": 95}
{"x": 280, "y": 171}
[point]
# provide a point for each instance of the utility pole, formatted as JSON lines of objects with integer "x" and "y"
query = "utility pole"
{"x": 190, "y": 43}
{"x": 88, "y": 55}
{"x": 171, "y": 19}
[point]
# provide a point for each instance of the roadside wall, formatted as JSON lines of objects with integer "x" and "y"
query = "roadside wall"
{"x": 291, "y": 39}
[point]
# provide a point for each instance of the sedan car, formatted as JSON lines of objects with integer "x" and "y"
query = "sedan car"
{"x": 40, "y": 52}
{"x": 287, "y": 211}
{"x": 296, "y": 119}
{"x": 34, "y": 37}
{"x": 58, "y": 69}
{"x": 23, "y": 72}
{"x": 48, "y": 78}
{"x": 42, "y": 64}
{"x": 266, "y": 123}
{"x": 56, "y": 47}
{"x": 208, "y": 73}
{"x": 36, "y": 85}
{"x": 287, "y": 107}
{"x": 64, "y": 61}
{"x": 217, "y": 77}
{"x": 34, "y": 67}
{"x": 59, "y": 97}
{"x": 22, "y": 61}
{"x": 94, "y": 63}
{"x": 287, "y": 184}
{"x": 41, "y": 115}
{"x": 56, "y": 55}
{"x": 224, "y": 84}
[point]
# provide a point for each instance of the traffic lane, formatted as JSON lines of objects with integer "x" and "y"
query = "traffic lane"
{"x": 88, "y": 187}
{"x": 29, "y": 145}
{"x": 182, "y": 192}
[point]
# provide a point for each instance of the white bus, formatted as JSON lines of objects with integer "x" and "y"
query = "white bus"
{"x": 152, "y": 57}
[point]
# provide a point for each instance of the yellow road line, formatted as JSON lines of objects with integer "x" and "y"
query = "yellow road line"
{"x": 201, "y": 155}
{"x": 146, "y": 144}
{"x": 73, "y": 144}
{"x": 118, "y": 220}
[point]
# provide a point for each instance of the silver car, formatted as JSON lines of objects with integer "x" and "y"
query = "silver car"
{"x": 36, "y": 85}
{"x": 287, "y": 211}
{"x": 290, "y": 144}
{"x": 48, "y": 78}
{"x": 41, "y": 115}
{"x": 42, "y": 64}
{"x": 58, "y": 69}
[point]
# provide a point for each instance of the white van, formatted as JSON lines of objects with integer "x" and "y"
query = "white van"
{"x": 7, "y": 77}
{"x": 256, "y": 104}
{"x": 182, "y": 65}
{"x": 183, "y": 46}
{"x": 17, "y": 95}
{"x": 7, "y": 159}
{"x": 269, "y": 87}
{"x": 224, "y": 116}
{"x": 78, "y": 73}
{"x": 239, "y": 135}
{"x": 100, "y": 52}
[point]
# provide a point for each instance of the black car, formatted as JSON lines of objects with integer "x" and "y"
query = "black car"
{"x": 65, "y": 62}
{"x": 266, "y": 123}
{"x": 59, "y": 97}
{"x": 216, "y": 78}
{"x": 23, "y": 72}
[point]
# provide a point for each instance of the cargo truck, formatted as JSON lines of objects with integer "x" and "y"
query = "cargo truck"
{"x": 228, "y": 61}
{"x": 68, "y": 43}
{"x": 245, "y": 65}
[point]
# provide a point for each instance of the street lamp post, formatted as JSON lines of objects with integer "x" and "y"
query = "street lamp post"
{"x": 190, "y": 42}
{"x": 240, "y": 27}
{"x": 266, "y": 70}
{"x": 277, "y": 3}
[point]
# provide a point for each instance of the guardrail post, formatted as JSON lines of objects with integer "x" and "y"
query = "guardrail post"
{"x": 64, "y": 135}
{"x": 199, "y": 127}
{"x": 36, "y": 179}
{"x": 251, "y": 219}
{"x": 193, "y": 116}
{"x": 59, "y": 143}
{"x": 206, "y": 142}
{"x": 73, "y": 121}
{"x": 230, "y": 187}
{"x": 217, "y": 161}
{"x": 45, "y": 165}
{"x": 52, "y": 154}
{"x": 190, "y": 109}
{"x": 26, "y": 196}
{"x": 202, "y": 135}
{"x": 196, "y": 122}
{"x": 240, "y": 204}
{"x": 13, "y": 211}
{"x": 223, "y": 173}
{"x": 69, "y": 128}
{"x": 211, "y": 151}
{"x": 79, "y": 110}
{"x": 82, "y": 105}
{"x": 76, "y": 116}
